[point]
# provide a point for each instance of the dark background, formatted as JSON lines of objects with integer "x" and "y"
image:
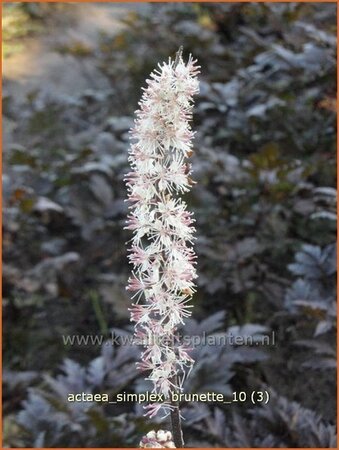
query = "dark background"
{"x": 264, "y": 205}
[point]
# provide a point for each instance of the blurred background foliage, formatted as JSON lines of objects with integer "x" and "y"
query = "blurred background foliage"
{"x": 265, "y": 206}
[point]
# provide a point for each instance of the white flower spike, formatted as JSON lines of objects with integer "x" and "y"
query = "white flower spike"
{"x": 162, "y": 256}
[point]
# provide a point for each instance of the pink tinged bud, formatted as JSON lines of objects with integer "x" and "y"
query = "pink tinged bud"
{"x": 157, "y": 439}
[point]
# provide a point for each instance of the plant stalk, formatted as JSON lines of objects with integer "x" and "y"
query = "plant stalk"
{"x": 178, "y": 437}
{"x": 178, "y": 55}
